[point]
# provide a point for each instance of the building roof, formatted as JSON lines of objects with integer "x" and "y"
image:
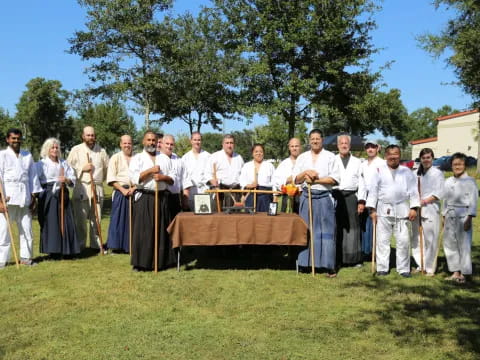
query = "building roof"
{"x": 423, "y": 141}
{"x": 452, "y": 116}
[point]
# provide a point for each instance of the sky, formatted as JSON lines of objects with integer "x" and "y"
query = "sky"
{"x": 34, "y": 39}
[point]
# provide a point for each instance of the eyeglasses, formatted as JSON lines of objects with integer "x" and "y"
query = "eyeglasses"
{"x": 370, "y": 146}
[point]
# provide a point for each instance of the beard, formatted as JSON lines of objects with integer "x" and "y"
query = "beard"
{"x": 150, "y": 149}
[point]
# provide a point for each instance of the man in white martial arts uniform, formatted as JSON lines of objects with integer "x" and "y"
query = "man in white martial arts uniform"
{"x": 369, "y": 168}
{"x": 195, "y": 163}
{"x": 20, "y": 182}
{"x": 349, "y": 249}
{"x": 432, "y": 182}
{"x": 393, "y": 201}
{"x": 175, "y": 196}
{"x": 85, "y": 158}
{"x": 224, "y": 168}
{"x": 284, "y": 172}
{"x": 318, "y": 168}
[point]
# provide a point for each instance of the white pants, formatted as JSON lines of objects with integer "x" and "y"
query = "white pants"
{"x": 457, "y": 245}
{"x": 431, "y": 230}
{"x": 23, "y": 218}
{"x": 386, "y": 227}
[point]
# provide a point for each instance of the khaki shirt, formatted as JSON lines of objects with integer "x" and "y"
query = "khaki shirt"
{"x": 78, "y": 159}
{"x": 118, "y": 170}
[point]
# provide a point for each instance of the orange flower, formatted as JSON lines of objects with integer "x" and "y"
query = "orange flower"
{"x": 290, "y": 190}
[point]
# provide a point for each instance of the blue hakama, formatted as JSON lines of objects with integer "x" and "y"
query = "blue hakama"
{"x": 263, "y": 200}
{"x": 119, "y": 229}
{"x": 366, "y": 226}
{"x": 323, "y": 212}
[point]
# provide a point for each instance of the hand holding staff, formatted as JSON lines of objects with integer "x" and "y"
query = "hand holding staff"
{"x": 7, "y": 218}
{"x": 94, "y": 198}
{"x": 310, "y": 218}
{"x": 155, "y": 266}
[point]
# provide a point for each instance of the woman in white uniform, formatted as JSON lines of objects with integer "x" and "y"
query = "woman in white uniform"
{"x": 459, "y": 207}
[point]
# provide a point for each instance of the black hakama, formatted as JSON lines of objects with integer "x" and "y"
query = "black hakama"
{"x": 119, "y": 228}
{"x": 51, "y": 240}
{"x": 143, "y": 244}
{"x": 349, "y": 249}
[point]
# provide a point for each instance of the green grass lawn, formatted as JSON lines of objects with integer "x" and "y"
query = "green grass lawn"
{"x": 239, "y": 307}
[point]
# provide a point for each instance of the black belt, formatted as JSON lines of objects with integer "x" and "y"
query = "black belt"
{"x": 151, "y": 192}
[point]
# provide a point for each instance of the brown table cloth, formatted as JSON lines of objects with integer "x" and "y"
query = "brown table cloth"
{"x": 188, "y": 229}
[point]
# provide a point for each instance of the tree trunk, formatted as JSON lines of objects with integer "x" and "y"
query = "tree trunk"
{"x": 291, "y": 118}
{"x": 147, "y": 115}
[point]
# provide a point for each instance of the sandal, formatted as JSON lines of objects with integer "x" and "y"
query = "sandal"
{"x": 331, "y": 275}
{"x": 460, "y": 280}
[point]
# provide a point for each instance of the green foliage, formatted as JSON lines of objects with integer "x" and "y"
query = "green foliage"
{"x": 42, "y": 113}
{"x": 274, "y": 137}
{"x": 110, "y": 121}
{"x": 197, "y": 78}
{"x": 123, "y": 45}
{"x": 299, "y": 53}
{"x": 6, "y": 122}
{"x": 212, "y": 142}
{"x": 182, "y": 144}
{"x": 459, "y": 40}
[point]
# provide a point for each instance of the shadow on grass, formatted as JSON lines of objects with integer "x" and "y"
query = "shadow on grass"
{"x": 435, "y": 310}
{"x": 247, "y": 257}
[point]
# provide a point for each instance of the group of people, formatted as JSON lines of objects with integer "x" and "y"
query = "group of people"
{"x": 351, "y": 201}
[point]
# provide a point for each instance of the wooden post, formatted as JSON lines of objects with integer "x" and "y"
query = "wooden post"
{"x": 312, "y": 233}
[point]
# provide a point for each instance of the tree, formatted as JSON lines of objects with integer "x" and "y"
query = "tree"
{"x": 42, "y": 113}
{"x": 459, "y": 39}
{"x": 275, "y": 139}
{"x": 6, "y": 122}
{"x": 212, "y": 142}
{"x": 299, "y": 53}
{"x": 198, "y": 78}
{"x": 110, "y": 121}
{"x": 123, "y": 36}
{"x": 374, "y": 110}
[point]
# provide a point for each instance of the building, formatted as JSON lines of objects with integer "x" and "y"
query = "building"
{"x": 455, "y": 132}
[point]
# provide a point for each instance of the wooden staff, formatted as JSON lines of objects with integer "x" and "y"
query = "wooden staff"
{"x": 130, "y": 234}
{"x": 439, "y": 244}
{"x": 62, "y": 197}
{"x": 374, "y": 245}
{"x": 243, "y": 191}
{"x": 420, "y": 228}
{"x": 255, "y": 179}
{"x": 310, "y": 218}
{"x": 9, "y": 226}
{"x": 94, "y": 198}
{"x": 217, "y": 198}
{"x": 155, "y": 266}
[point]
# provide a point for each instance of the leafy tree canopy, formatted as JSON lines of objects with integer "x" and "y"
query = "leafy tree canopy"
{"x": 42, "y": 113}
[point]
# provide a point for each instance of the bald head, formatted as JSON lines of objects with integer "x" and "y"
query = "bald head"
{"x": 294, "y": 147}
{"x": 88, "y": 136}
{"x": 126, "y": 144}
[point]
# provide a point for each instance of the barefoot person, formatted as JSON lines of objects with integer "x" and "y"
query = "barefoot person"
{"x": 459, "y": 208}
